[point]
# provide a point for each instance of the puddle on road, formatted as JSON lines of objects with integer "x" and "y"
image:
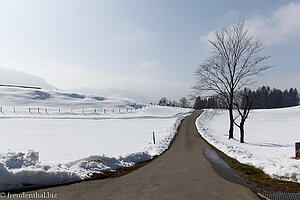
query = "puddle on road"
{"x": 222, "y": 168}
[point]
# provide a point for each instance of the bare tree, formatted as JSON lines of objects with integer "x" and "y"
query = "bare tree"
{"x": 183, "y": 102}
{"x": 234, "y": 61}
{"x": 163, "y": 101}
{"x": 244, "y": 113}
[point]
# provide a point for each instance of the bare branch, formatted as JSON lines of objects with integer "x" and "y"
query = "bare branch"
{"x": 234, "y": 61}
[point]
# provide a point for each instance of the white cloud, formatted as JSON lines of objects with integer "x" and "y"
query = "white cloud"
{"x": 149, "y": 65}
{"x": 205, "y": 39}
{"x": 281, "y": 26}
{"x": 233, "y": 14}
{"x": 132, "y": 33}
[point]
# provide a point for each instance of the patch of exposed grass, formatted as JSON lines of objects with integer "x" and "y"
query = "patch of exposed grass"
{"x": 257, "y": 179}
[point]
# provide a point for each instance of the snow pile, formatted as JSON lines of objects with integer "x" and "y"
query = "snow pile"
{"x": 20, "y": 171}
{"x": 68, "y": 147}
{"x": 270, "y": 137}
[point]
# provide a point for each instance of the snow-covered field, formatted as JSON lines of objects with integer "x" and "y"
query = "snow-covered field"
{"x": 52, "y": 137}
{"x": 270, "y": 137}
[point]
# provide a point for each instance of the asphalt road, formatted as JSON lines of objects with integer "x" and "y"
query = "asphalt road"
{"x": 182, "y": 172}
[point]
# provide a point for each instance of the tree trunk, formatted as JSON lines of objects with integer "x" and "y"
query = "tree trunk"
{"x": 231, "y": 119}
{"x": 231, "y": 123}
{"x": 242, "y": 132}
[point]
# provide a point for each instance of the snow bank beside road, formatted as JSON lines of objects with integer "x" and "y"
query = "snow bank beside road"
{"x": 270, "y": 137}
{"x": 68, "y": 150}
{"x": 18, "y": 170}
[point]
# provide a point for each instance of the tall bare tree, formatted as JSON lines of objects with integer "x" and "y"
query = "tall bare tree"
{"x": 234, "y": 61}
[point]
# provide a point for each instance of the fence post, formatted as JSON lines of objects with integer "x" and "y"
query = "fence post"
{"x": 46, "y": 111}
{"x": 297, "y": 148}
{"x": 113, "y": 110}
{"x": 95, "y": 111}
{"x": 153, "y": 137}
{"x": 104, "y": 110}
{"x": 1, "y": 110}
{"x": 59, "y": 110}
{"x": 39, "y": 110}
{"x": 15, "y": 110}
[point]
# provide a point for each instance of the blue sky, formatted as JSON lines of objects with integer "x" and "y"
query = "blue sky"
{"x": 151, "y": 47}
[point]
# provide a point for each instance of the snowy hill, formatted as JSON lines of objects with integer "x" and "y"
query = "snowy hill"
{"x": 270, "y": 137}
{"x": 59, "y": 99}
{"x": 17, "y": 102}
{"x": 54, "y": 137}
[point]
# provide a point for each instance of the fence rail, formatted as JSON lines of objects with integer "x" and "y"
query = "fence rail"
{"x": 67, "y": 111}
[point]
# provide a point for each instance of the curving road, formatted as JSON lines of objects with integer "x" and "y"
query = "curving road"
{"x": 182, "y": 172}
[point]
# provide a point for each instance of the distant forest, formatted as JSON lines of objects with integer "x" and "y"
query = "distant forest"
{"x": 263, "y": 98}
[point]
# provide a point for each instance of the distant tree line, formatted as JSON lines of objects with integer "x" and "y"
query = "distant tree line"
{"x": 208, "y": 102}
{"x": 265, "y": 98}
{"x": 262, "y": 98}
{"x": 183, "y": 102}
